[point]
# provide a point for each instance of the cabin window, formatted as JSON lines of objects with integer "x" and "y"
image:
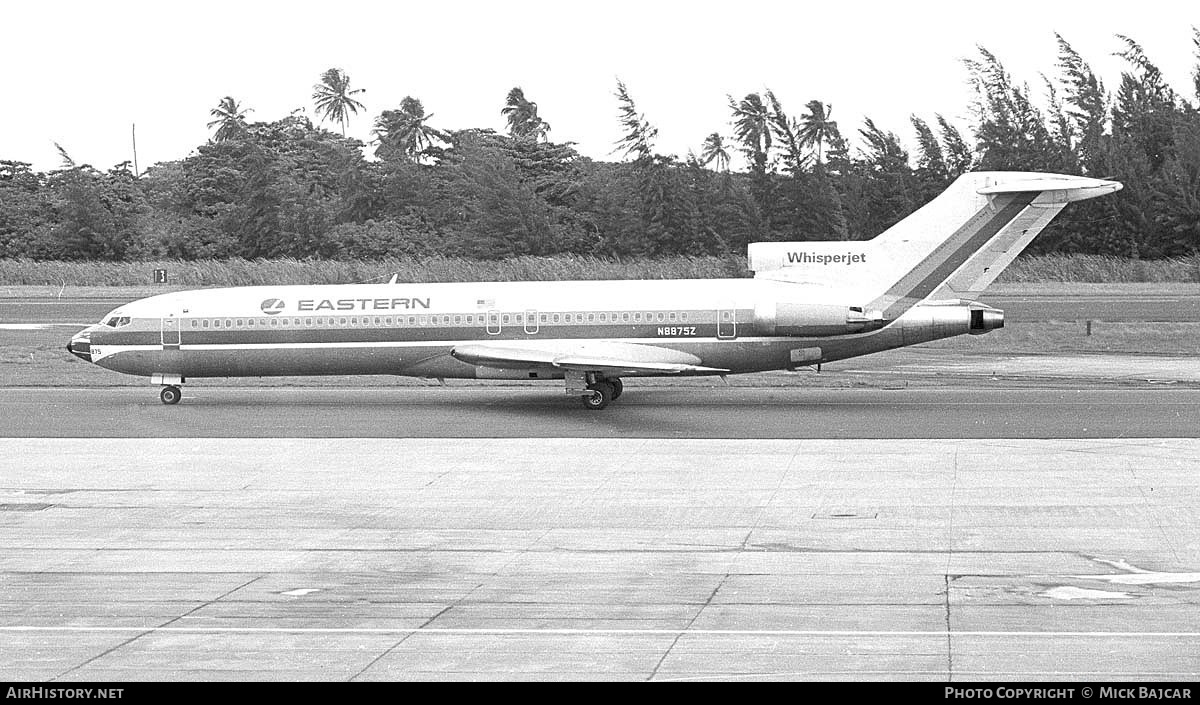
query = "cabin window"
{"x": 228, "y": 322}
{"x": 683, "y": 316}
{"x": 458, "y": 320}
{"x": 308, "y": 322}
{"x": 505, "y": 318}
{"x": 545, "y": 318}
{"x": 555, "y": 318}
{"x": 625, "y": 317}
{"x": 661, "y": 316}
{"x": 520, "y": 318}
{"x": 204, "y": 323}
{"x": 422, "y": 320}
{"x": 378, "y": 320}
{"x": 604, "y": 318}
{"x": 412, "y": 320}
{"x": 387, "y": 321}
{"x": 672, "y": 315}
{"x": 637, "y": 317}
{"x": 195, "y": 323}
{"x": 591, "y": 317}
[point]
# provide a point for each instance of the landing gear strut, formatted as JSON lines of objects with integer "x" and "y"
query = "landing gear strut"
{"x": 170, "y": 394}
{"x": 599, "y": 395}
{"x": 595, "y": 390}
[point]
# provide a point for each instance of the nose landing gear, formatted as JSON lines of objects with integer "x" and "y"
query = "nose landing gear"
{"x": 170, "y": 393}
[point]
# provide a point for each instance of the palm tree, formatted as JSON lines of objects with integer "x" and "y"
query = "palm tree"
{"x": 816, "y": 127}
{"x": 332, "y": 99}
{"x": 751, "y": 127}
{"x": 638, "y": 141}
{"x": 787, "y": 133}
{"x": 713, "y": 149}
{"x": 405, "y": 132}
{"x": 523, "y": 119}
{"x": 230, "y": 119}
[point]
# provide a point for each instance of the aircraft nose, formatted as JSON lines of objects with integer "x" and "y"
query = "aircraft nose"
{"x": 81, "y": 347}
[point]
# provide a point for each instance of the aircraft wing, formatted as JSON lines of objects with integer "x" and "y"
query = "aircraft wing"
{"x": 583, "y": 356}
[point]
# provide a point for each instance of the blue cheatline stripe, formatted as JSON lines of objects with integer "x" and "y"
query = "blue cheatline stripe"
{"x": 935, "y": 269}
{"x": 382, "y": 334}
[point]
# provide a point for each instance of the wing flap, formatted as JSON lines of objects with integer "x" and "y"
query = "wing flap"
{"x": 598, "y": 364}
{"x": 586, "y": 356}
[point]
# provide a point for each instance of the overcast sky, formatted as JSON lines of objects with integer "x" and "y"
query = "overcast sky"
{"x": 81, "y": 73}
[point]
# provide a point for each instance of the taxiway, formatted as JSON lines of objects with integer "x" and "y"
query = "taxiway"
{"x": 572, "y": 558}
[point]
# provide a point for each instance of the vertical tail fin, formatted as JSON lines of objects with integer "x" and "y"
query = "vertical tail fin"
{"x": 952, "y": 247}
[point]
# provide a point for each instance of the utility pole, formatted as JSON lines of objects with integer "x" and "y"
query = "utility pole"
{"x": 135, "y": 164}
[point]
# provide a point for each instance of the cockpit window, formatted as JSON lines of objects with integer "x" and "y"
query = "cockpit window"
{"x": 117, "y": 321}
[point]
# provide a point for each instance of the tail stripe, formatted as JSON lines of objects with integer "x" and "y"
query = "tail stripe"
{"x": 935, "y": 269}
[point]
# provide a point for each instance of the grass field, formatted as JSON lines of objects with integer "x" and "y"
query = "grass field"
{"x": 212, "y": 273}
{"x": 238, "y": 272}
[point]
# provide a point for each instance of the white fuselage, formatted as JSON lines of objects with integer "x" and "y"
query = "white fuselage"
{"x": 731, "y": 325}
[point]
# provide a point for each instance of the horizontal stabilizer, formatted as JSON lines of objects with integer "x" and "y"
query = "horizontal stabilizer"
{"x": 1074, "y": 188}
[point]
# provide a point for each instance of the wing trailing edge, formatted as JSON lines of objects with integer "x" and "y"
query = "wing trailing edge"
{"x": 585, "y": 356}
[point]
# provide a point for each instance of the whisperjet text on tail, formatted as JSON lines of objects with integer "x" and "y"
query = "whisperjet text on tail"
{"x": 808, "y": 303}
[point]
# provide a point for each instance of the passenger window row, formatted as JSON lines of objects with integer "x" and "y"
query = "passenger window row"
{"x": 440, "y": 320}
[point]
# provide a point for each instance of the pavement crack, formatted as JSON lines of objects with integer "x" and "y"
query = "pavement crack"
{"x": 1151, "y": 511}
{"x": 683, "y": 631}
{"x": 151, "y": 630}
{"x": 407, "y": 636}
{"x": 949, "y": 564}
{"x": 949, "y": 632}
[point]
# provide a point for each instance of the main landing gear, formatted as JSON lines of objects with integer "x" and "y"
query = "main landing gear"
{"x": 170, "y": 394}
{"x": 601, "y": 393}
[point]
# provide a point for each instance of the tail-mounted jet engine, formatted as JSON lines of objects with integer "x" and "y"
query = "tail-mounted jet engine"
{"x": 934, "y": 320}
{"x": 780, "y": 318}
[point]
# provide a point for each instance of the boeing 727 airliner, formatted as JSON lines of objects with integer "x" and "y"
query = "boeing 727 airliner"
{"x": 808, "y": 303}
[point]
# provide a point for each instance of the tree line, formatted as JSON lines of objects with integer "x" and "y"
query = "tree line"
{"x": 294, "y": 188}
